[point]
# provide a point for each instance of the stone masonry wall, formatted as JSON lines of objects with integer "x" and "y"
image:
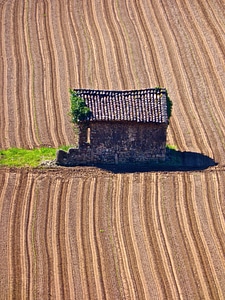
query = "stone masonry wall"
{"x": 117, "y": 143}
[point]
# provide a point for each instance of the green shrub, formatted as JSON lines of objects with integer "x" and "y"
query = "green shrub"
{"x": 79, "y": 111}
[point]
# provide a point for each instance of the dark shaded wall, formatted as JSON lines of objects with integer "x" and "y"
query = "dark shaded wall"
{"x": 119, "y": 142}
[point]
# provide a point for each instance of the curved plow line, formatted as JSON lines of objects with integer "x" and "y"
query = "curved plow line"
{"x": 162, "y": 242}
{"x": 126, "y": 278}
{"x": 134, "y": 242}
{"x": 103, "y": 46}
{"x": 91, "y": 29}
{"x": 70, "y": 46}
{"x": 157, "y": 282}
{"x": 111, "y": 238}
{"x": 218, "y": 199}
{"x": 87, "y": 33}
{"x": 92, "y": 234}
{"x": 16, "y": 118}
{"x": 210, "y": 216}
{"x": 114, "y": 47}
{"x": 54, "y": 234}
{"x": 66, "y": 59}
{"x": 145, "y": 36}
{"x": 58, "y": 110}
{"x": 187, "y": 88}
{"x": 24, "y": 63}
{"x": 200, "y": 232}
{"x": 187, "y": 84}
{"x": 79, "y": 230}
{"x": 122, "y": 62}
{"x": 46, "y": 81}
{"x": 208, "y": 51}
{"x": 4, "y": 104}
{"x": 24, "y": 234}
{"x": 78, "y": 57}
{"x": 219, "y": 23}
{"x": 127, "y": 42}
{"x": 170, "y": 62}
{"x": 162, "y": 196}
{"x": 2, "y": 194}
{"x": 209, "y": 85}
{"x": 67, "y": 242}
{"x": 127, "y": 45}
{"x": 189, "y": 234}
{"x": 32, "y": 90}
{"x": 11, "y": 273}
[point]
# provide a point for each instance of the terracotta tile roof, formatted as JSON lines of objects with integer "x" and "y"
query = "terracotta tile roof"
{"x": 148, "y": 105}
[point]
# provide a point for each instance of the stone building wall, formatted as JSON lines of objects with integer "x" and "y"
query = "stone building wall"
{"x": 117, "y": 143}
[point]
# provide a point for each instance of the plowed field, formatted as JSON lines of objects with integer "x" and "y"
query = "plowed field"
{"x": 84, "y": 233}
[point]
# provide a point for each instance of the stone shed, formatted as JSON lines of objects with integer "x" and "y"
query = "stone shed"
{"x": 123, "y": 127}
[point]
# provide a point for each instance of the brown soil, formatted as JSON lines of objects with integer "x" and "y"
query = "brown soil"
{"x": 85, "y": 233}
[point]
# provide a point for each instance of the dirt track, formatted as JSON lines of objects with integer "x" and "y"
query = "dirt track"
{"x": 87, "y": 233}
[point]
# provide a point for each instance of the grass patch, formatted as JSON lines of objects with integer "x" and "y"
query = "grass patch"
{"x": 16, "y": 157}
{"x": 171, "y": 147}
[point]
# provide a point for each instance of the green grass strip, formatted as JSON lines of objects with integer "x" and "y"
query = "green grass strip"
{"x": 16, "y": 157}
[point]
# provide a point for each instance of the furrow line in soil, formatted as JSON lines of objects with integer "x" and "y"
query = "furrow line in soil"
{"x": 211, "y": 90}
{"x": 160, "y": 236}
{"x": 147, "y": 45}
{"x": 61, "y": 43}
{"x": 4, "y": 185}
{"x": 133, "y": 220}
{"x": 103, "y": 60}
{"x": 153, "y": 231}
{"x": 34, "y": 243}
{"x": 215, "y": 184}
{"x": 128, "y": 241}
{"x": 4, "y": 109}
{"x": 200, "y": 59}
{"x": 119, "y": 46}
{"x": 93, "y": 202}
{"x": 12, "y": 73}
{"x": 13, "y": 265}
{"x": 41, "y": 240}
{"x": 212, "y": 210}
{"x": 23, "y": 119}
{"x": 29, "y": 38}
{"x": 124, "y": 266}
{"x": 122, "y": 25}
{"x": 80, "y": 242}
{"x": 94, "y": 41}
{"x": 108, "y": 258}
{"x": 77, "y": 58}
{"x": 162, "y": 217}
{"x": 204, "y": 243}
{"x": 184, "y": 93}
{"x": 132, "y": 43}
{"x": 199, "y": 274}
{"x": 90, "y": 76}
{"x": 111, "y": 47}
{"x": 179, "y": 252}
{"x": 54, "y": 85}
{"x": 66, "y": 285}
{"x": 55, "y": 233}
{"x": 166, "y": 46}
{"x": 68, "y": 242}
{"x": 27, "y": 197}
{"x": 211, "y": 18}
{"x": 90, "y": 254}
{"x": 45, "y": 94}
{"x": 5, "y": 199}
{"x": 154, "y": 276}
